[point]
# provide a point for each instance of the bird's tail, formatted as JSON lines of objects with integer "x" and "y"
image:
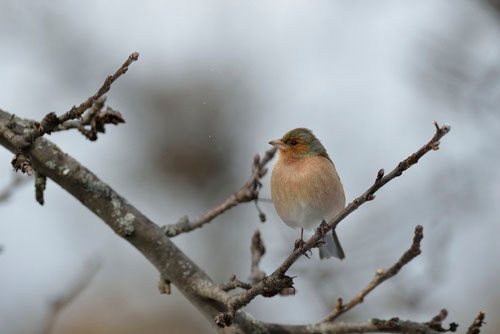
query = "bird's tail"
{"x": 332, "y": 248}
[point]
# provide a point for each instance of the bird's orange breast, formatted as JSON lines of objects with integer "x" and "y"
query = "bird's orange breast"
{"x": 306, "y": 190}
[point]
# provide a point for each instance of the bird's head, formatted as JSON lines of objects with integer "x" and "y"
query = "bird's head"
{"x": 299, "y": 143}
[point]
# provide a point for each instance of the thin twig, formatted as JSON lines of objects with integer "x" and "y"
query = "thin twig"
{"x": 51, "y": 121}
{"x": 475, "y": 328}
{"x": 278, "y": 280}
{"x": 233, "y": 284}
{"x": 68, "y": 296}
{"x": 247, "y": 193}
{"x": 437, "y": 323}
{"x": 381, "y": 275}
{"x": 393, "y": 325}
{"x": 93, "y": 121}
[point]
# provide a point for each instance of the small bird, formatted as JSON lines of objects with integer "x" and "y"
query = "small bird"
{"x": 305, "y": 186}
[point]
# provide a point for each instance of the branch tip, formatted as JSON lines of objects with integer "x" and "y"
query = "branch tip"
{"x": 380, "y": 276}
{"x": 247, "y": 193}
{"x": 475, "y": 327}
{"x": 380, "y": 175}
{"x": 51, "y": 122}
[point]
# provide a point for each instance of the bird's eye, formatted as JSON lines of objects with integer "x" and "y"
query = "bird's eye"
{"x": 293, "y": 143}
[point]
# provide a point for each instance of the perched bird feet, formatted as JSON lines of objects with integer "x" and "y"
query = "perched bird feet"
{"x": 299, "y": 244}
{"x": 323, "y": 227}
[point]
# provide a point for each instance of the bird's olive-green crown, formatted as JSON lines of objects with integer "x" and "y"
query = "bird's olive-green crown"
{"x": 308, "y": 138}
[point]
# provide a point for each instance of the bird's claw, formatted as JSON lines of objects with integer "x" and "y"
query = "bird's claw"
{"x": 323, "y": 228}
{"x": 299, "y": 244}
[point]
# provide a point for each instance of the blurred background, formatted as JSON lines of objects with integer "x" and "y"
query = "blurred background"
{"x": 215, "y": 81}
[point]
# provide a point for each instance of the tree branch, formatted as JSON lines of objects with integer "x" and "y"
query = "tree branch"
{"x": 380, "y": 276}
{"x": 93, "y": 121}
{"x": 394, "y": 325}
{"x": 247, "y": 193}
{"x": 121, "y": 216}
{"x": 51, "y": 121}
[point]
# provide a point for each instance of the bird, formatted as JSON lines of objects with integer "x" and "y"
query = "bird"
{"x": 305, "y": 187}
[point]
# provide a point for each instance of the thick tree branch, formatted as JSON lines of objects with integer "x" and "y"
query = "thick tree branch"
{"x": 277, "y": 281}
{"x": 247, "y": 193}
{"x": 380, "y": 276}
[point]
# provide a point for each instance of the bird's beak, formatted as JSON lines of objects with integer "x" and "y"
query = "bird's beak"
{"x": 278, "y": 143}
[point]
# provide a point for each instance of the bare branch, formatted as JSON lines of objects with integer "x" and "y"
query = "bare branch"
{"x": 380, "y": 276}
{"x": 475, "y": 328}
{"x": 51, "y": 121}
{"x": 394, "y": 325}
{"x": 93, "y": 121}
{"x": 247, "y": 193}
{"x": 67, "y": 297}
{"x": 233, "y": 284}
{"x": 277, "y": 281}
{"x": 437, "y": 322}
{"x": 170, "y": 261}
